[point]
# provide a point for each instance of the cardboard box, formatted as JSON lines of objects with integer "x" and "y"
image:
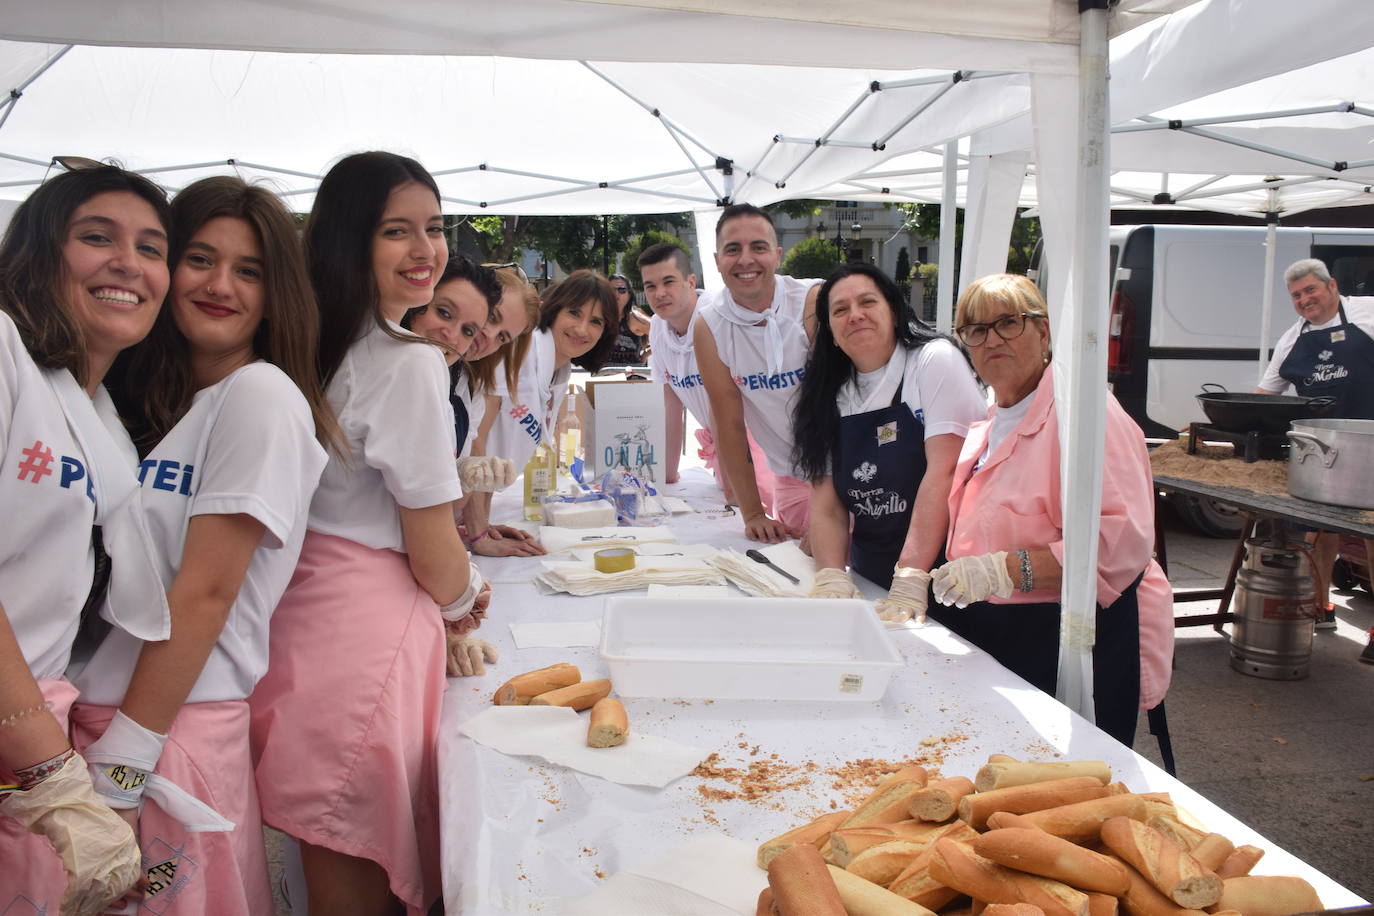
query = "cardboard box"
{"x": 624, "y": 428}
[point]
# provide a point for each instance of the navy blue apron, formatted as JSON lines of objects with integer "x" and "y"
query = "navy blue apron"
{"x": 876, "y": 467}
{"x": 1024, "y": 638}
{"x": 1334, "y": 362}
{"x": 460, "y": 410}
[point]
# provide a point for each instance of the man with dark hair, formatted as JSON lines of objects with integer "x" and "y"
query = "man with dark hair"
{"x": 751, "y": 347}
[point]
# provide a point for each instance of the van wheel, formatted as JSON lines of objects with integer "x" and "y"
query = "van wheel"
{"x": 1211, "y": 517}
{"x": 1343, "y": 577}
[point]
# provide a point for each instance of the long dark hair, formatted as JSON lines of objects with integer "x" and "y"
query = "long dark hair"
{"x": 816, "y": 416}
{"x": 580, "y": 287}
{"x": 153, "y": 384}
{"x": 31, "y": 265}
{"x": 483, "y": 279}
{"x": 338, "y": 247}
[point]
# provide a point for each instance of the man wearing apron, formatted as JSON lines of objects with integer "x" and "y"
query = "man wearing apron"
{"x": 751, "y": 348}
{"x": 1328, "y": 352}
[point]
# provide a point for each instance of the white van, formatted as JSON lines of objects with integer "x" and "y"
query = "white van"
{"x": 1185, "y": 311}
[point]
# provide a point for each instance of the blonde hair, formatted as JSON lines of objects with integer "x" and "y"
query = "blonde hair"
{"x": 1009, "y": 291}
{"x": 482, "y": 372}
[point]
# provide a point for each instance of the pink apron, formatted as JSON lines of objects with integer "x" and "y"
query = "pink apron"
{"x": 346, "y": 720}
{"x": 193, "y": 873}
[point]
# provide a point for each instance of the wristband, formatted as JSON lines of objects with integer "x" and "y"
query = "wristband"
{"x": 469, "y": 541}
{"x": 462, "y": 605}
{"x": 1027, "y": 574}
{"x": 31, "y": 776}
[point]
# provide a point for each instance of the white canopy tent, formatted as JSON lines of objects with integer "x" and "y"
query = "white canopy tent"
{"x": 561, "y": 106}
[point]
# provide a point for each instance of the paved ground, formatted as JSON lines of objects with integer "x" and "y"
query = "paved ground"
{"x": 1293, "y": 759}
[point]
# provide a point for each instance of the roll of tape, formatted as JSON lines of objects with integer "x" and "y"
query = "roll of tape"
{"x": 614, "y": 559}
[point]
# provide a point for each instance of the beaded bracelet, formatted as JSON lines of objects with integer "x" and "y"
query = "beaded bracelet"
{"x": 1027, "y": 574}
{"x": 14, "y": 717}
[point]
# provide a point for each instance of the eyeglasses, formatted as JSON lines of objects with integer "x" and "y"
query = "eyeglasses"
{"x": 519, "y": 271}
{"x": 1008, "y": 327}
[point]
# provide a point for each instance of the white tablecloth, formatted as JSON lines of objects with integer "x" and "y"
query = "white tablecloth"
{"x": 520, "y": 837}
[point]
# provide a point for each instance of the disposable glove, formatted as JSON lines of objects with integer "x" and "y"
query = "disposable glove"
{"x": 96, "y": 846}
{"x": 963, "y": 581}
{"x": 467, "y": 654}
{"x": 833, "y": 583}
{"x": 907, "y": 598}
{"x": 462, "y": 606}
{"x": 485, "y": 474}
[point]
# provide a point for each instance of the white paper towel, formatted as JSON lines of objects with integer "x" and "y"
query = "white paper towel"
{"x": 559, "y": 735}
{"x": 556, "y": 635}
{"x": 706, "y": 876}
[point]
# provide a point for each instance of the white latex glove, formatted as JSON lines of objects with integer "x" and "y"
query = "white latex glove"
{"x": 485, "y": 474}
{"x": 467, "y": 654}
{"x": 963, "y": 581}
{"x": 833, "y": 583}
{"x": 97, "y": 847}
{"x": 121, "y": 760}
{"x": 907, "y": 598}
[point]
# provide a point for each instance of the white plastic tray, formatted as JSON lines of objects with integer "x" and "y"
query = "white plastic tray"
{"x": 746, "y": 648}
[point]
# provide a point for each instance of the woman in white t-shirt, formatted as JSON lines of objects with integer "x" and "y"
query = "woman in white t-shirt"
{"x": 577, "y": 327}
{"x": 225, "y": 405}
{"x": 883, "y": 411}
{"x": 83, "y": 271}
{"x": 345, "y": 722}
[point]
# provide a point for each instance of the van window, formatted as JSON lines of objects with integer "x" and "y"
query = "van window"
{"x": 1351, "y": 266}
{"x": 1208, "y": 291}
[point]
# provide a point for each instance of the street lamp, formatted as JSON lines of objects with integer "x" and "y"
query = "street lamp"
{"x": 857, "y": 230}
{"x": 839, "y": 240}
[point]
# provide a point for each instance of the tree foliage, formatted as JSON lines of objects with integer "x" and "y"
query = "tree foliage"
{"x": 813, "y": 257}
{"x": 629, "y": 258}
{"x": 924, "y": 220}
{"x": 574, "y": 242}
{"x": 903, "y": 266}
{"x": 800, "y": 208}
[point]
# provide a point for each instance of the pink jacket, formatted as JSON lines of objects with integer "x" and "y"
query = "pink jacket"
{"x": 1013, "y": 502}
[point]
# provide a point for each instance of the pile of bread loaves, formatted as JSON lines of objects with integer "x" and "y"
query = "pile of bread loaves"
{"x": 562, "y": 685}
{"x": 1022, "y": 839}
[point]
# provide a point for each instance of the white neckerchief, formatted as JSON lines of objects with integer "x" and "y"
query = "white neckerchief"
{"x": 681, "y": 345}
{"x": 136, "y": 601}
{"x": 849, "y": 400}
{"x": 735, "y": 313}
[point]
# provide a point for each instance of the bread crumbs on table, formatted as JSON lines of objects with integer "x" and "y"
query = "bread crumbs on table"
{"x": 600, "y": 874}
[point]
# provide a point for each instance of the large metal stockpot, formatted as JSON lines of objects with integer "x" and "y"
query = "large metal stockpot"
{"x": 1330, "y": 461}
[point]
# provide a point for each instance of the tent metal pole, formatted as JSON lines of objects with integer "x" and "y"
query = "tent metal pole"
{"x": 1197, "y": 187}
{"x": 944, "y": 278}
{"x": 715, "y": 191}
{"x": 651, "y": 110}
{"x": 1271, "y": 243}
{"x": 1082, "y": 404}
{"x": 825, "y": 137}
{"x": 822, "y": 141}
{"x": 1183, "y": 123}
{"x": 1262, "y": 148}
{"x": 958, "y": 77}
{"x": 8, "y": 104}
{"x": 1256, "y": 186}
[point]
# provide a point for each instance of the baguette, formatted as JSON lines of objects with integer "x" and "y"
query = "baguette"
{"x": 578, "y": 696}
{"x": 889, "y": 801}
{"x": 1269, "y": 895}
{"x": 861, "y": 898}
{"x": 848, "y": 842}
{"x": 1002, "y": 774}
{"x": 1001, "y": 820}
{"x": 1040, "y": 853}
{"x": 1082, "y": 822}
{"x": 959, "y": 867}
{"x": 1141, "y": 899}
{"x": 1012, "y": 909}
{"x": 1055, "y": 793}
{"x": 812, "y": 834}
{"x": 918, "y": 885}
{"x": 1239, "y": 863}
{"x": 1212, "y": 850}
{"x": 1162, "y": 862}
{"x": 882, "y": 864}
{"x": 1103, "y": 904}
{"x": 519, "y": 690}
{"x": 939, "y": 801}
{"x": 609, "y": 725}
{"x": 802, "y": 885}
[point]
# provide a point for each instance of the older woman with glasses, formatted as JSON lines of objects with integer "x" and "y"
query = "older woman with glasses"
{"x": 1005, "y": 544}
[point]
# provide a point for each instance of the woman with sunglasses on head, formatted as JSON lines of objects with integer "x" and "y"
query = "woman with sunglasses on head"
{"x": 344, "y": 724}
{"x": 83, "y": 272}
{"x": 884, "y": 407}
{"x": 577, "y": 327}
{"x": 226, "y": 407}
{"x": 1005, "y": 546}
{"x": 632, "y": 330}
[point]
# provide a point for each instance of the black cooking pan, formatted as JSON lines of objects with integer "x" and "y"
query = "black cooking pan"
{"x": 1243, "y": 412}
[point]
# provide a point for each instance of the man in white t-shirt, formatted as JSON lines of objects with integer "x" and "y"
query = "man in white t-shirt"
{"x": 1328, "y": 352}
{"x": 670, "y": 288}
{"x": 751, "y": 348}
